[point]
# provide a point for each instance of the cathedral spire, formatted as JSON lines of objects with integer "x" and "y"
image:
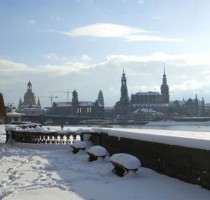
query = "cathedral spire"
{"x": 29, "y": 86}
{"x": 164, "y": 88}
{"x": 20, "y": 102}
{"x": 124, "y": 91}
{"x": 38, "y": 103}
{"x": 164, "y": 76}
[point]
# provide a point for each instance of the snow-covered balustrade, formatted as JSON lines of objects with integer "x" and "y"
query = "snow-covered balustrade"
{"x": 77, "y": 146}
{"x": 39, "y": 135}
{"x": 123, "y": 163}
{"x": 180, "y": 154}
{"x": 96, "y": 152}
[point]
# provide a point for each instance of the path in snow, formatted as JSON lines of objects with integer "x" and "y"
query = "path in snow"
{"x": 52, "y": 172}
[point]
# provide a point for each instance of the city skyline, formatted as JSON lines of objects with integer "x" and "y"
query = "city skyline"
{"x": 85, "y": 44}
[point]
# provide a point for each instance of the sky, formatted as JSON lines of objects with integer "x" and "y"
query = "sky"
{"x": 62, "y": 45}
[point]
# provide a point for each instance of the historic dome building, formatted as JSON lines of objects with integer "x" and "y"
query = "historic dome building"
{"x": 29, "y": 106}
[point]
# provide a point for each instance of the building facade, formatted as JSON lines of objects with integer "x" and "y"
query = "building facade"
{"x": 152, "y": 99}
{"x": 76, "y": 108}
{"x": 29, "y": 106}
{"x": 141, "y": 100}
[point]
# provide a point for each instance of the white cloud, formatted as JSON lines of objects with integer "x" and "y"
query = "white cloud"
{"x": 85, "y": 58}
{"x": 55, "y": 57}
{"x": 108, "y": 30}
{"x": 140, "y": 1}
{"x": 176, "y": 59}
{"x": 143, "y": 73}
{"x": 188, "y": 85}
{"x": 152, "y": 38}
{"x": 104, "y": 30}
{"x": 32, "y": 22}
{"x": 51, "y": 56}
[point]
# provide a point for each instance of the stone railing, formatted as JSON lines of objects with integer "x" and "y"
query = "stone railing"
{"x": 42, "y": 137}
{"x": 188, "y": 164}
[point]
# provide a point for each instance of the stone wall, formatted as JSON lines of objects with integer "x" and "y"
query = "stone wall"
{"x": 187, "y": 164}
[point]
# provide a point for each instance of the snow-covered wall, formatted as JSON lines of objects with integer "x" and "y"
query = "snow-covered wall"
{"x": 181, "y": 154}
{"x": 185, "y": 163}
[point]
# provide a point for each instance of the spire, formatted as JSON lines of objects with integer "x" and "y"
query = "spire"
{"x": 164, "y": 68}
{"x": 20, "y": 102}
{"x": 164, "y": 87}
{"x": 123, "y": 80}
{"x": 38, "y": 103}
{"x": 124, "y": 91}
{"x": 164, "y": 75}
{"x": 29, "y": 86}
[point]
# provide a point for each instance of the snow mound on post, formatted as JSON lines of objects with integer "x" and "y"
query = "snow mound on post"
{"x": 97, "y": 151}
{"x": 79, "y": 144}
{"x": 126, "y": 160}
{"x": 38, "y": 128}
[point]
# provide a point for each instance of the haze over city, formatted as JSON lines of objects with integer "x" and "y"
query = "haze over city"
{"x": 85, "y": 44}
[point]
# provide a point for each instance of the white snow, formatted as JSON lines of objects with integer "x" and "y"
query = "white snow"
{"x": 193, "y": 139}
{"x": 97, "y": 150}
{"x": 48, "y": 171}
{"x": 126, "y": 160}
{"x": 200, "y": 140}
{"x": 79, "y": 144}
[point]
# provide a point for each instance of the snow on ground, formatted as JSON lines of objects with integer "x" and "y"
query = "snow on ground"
{"x": 29, "y": 171}
{"x": 174, "y": 123}
{"x": 53, "y": 172}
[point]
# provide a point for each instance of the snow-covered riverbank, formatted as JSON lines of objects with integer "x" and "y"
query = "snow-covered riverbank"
{"x": 51, "y": 172}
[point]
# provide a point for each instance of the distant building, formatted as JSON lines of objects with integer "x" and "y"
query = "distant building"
{"x": 76, "y": 108}
{"x": 29, "y": 105}
{"x": 123, "y": 107}
{"x": 142, "y": 100}
{"x": 190, "y": 107}
{"x": 101, "y": 98}
{"x": 152, "y": 99}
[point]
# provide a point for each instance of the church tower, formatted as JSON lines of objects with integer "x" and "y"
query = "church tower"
{"x": 20, "y": 103}
{"x": 165, "y": 89}
{"x": 101, "y": 98}
{"x": 29, "y": 98}
{"x": 124, "y": 99}
{"x": 38, "y": 103}
{"x": 75, "y": 102}
{"x": 123, "y": 107}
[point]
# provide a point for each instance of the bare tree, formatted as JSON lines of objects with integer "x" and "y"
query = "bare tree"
{"x": 2, "y": 107}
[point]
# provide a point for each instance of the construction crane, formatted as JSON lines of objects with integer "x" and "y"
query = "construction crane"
{"x": 51, "y": 97}
{"x": 67, "y": 93}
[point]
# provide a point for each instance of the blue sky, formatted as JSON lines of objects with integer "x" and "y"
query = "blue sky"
{"x": 84, "y": 44}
